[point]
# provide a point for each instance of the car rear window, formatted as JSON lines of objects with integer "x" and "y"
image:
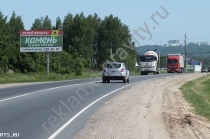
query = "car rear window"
{"x": 113, "y": 65}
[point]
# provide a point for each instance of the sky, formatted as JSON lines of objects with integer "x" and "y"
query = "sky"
{"x": 151, "y": 22}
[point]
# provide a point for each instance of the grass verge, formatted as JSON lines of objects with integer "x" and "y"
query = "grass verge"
{"x": 197, "y": 93}
{"x": 42, "y": 77}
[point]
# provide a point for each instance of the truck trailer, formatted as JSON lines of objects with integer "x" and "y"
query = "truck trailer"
{"x": 148, "y": 63}
{"x": 175, "y": 63}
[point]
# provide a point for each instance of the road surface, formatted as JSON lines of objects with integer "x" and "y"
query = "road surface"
{"x": 56, "y": 109}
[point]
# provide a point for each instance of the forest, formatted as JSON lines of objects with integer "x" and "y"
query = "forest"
{"x": 88, "y": 42}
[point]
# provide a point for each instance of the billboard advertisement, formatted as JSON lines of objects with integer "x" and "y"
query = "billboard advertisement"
{"x": 195, "y": 62}
{"x": 41, "y": 40}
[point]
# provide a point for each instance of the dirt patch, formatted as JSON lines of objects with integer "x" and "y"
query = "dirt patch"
{"x": 178, "y": 115}
{"x": 150, "y": 110}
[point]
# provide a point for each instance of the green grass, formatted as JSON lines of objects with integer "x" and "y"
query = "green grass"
{"x": 163, "y": 71}
{"x": 135, "y": 72}
{"x": 42, "y": 77}
{"x": 197, "y": 93}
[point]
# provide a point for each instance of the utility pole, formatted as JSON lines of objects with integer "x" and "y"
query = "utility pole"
{"x": 185, "y": 40}
{"x": 159, "y": 62}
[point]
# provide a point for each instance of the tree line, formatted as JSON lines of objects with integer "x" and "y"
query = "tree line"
{"x": 194, "y": 52}
{"x": 88, "y": 42}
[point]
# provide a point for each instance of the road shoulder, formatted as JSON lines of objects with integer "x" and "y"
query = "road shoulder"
{"x": 152, "y": 109}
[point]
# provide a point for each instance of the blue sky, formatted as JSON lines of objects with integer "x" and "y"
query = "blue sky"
{"x": 192, "y": 16}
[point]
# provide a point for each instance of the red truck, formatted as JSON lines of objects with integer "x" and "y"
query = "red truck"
{"x": 175, "y": 63}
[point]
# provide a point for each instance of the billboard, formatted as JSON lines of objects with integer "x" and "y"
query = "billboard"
{"x": 195, "y": 62}
{"x": 41, "y": 40}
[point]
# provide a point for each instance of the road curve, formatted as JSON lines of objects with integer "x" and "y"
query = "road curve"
{"x": 56, "y": 109}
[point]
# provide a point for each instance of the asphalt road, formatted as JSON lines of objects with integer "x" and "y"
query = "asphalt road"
{"x": 56, "y": 109}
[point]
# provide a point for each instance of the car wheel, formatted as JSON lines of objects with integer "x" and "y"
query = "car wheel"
{"x": 108, "y": 80}
{"x": 125, "y": 80}
{"x": 128, "y": 80}
{"x": 104, "y": 81}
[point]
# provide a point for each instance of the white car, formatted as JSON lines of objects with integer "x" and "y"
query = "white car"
{"x": 115, "y": 71}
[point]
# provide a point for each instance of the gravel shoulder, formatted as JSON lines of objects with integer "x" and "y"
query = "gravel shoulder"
{"x": 13, "y": 85}
{"x": 149, "y": 110}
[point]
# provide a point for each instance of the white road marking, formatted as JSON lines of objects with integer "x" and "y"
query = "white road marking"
{"x": 79, "y": 113}
{"x": 41, "y": 91}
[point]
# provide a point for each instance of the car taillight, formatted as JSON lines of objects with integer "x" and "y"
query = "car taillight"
{"x": 122, "y": 69}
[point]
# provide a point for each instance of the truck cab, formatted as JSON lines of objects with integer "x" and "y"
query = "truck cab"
{"x": 148, "y": 63}
{"x": 175, "y": 63}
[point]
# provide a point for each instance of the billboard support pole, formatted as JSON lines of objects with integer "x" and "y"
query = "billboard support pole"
{"x": 48, "y": 61}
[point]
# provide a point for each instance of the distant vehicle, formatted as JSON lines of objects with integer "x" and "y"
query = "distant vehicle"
{"x": 204, "y": 70}
{"x": 115, "y": 71}
{"x": 163, "y": 68}
{"x": 209, "y": 69}
{"x": 148, "y": 63}
{"x": 197, "y": 68}
{"x": 175, "y": 63}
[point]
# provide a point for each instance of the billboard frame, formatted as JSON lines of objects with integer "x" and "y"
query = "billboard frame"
{"x": 41, "y": 40}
